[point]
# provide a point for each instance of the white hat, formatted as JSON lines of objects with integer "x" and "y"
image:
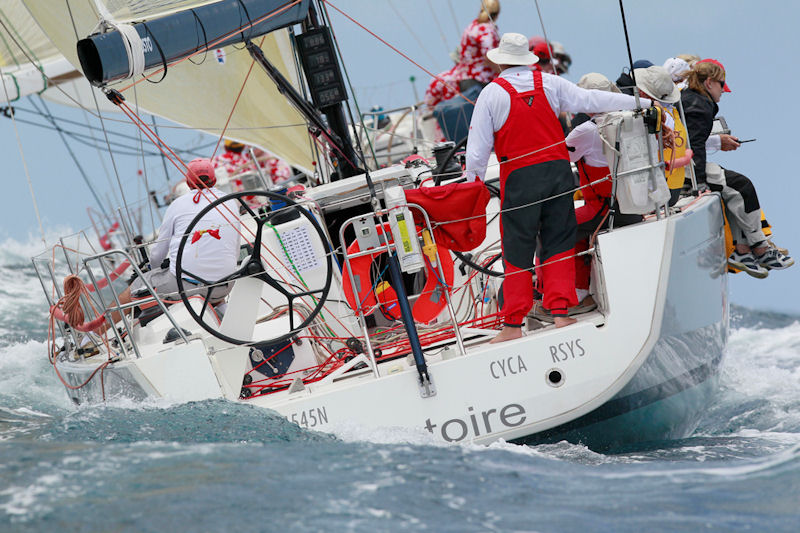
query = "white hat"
{"x": 676, "y": 66}
{"x": 597, "y": 81}
{"x": 657, "y": 84}
{"x": 513, "y": 50}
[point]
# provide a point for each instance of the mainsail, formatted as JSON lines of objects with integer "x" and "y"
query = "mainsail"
{"x": 201, "y": 93}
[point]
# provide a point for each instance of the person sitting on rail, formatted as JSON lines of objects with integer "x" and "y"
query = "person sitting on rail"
{"x": 679, "y": 68}
{"x": 517, "y": 115}
{"x": 752, "y": 252}
{"x": 210, "y": 253}
{"x": 471, "y": 67}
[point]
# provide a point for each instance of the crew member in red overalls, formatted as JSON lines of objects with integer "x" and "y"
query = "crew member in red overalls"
{"x": 517, "y": 115}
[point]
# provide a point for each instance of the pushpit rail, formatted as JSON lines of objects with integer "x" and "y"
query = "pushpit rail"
{"x": 107, "y": 305}
{"x": 122, "y": 307}
{"x": 380, "y": 216}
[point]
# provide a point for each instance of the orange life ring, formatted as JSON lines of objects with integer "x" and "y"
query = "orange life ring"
{"x": 431, "y": 300}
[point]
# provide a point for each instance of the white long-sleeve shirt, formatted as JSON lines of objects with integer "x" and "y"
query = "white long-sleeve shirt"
{"x": 494, "y": 104}
{"x": 208, "y": 257}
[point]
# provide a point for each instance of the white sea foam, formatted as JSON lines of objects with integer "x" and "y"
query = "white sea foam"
{"x": 27, "y": 378}
{"x": 29, "y": 501}
{"x": 763, "y": 365}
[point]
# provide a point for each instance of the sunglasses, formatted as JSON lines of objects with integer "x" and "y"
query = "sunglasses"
{"x": 721, "y": 83}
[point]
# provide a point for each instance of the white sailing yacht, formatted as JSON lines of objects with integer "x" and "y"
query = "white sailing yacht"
{"x": 292, "y": 338}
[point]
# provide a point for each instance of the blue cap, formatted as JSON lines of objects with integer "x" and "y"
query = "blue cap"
{"x": 642, "y": 63}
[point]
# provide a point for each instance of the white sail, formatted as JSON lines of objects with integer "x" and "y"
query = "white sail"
{"x": 201, "y": 96}
{"x": 27, "y": 57}
{"x": 133, "y": 10}
{"x": 31, "y": 64}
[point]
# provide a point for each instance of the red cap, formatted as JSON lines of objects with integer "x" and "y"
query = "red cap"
{"x": 200, "y": 174}
{"x": 541, "y": 50}
{"x": 725, "y": 87}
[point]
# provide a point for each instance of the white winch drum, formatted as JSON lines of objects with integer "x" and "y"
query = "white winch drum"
{"x": 639, "y": 192}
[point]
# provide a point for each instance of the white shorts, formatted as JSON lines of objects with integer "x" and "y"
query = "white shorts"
{"x": 161, "y": 279}
{"x": 166, "y": 286}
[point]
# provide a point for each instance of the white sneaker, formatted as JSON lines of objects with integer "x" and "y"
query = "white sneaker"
{"x": 748, "y": 263}
{"x": 773, "y": 259}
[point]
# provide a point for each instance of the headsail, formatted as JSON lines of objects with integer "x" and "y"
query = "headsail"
{"x": 201, "y": 96}
{"x": 27, "y": 57}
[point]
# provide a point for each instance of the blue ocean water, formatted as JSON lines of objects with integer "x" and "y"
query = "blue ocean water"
{"x": 217, "y": 466}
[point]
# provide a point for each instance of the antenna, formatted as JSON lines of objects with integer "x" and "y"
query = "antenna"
{"x": 630, "y": 57}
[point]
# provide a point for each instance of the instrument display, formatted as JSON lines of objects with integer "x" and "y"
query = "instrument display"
{"x": 321, "y": 67}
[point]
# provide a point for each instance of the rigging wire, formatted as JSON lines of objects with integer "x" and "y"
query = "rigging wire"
{"x": 628, "y": 44}
{"x": 25, "y": 167}
{"x": 163, "y": 159}
{"x": 439, "y": 27}
{"x": 96, "y": 143}
{"x": 236, "y": 101}
{"x": 90, "y": 140}
{"x": 426, "y": 71}
{"x": 455, "y": 20}
{"x": 75, "y": 159}
{"x": 544, "y": 31}
{"x": 144, "y": 167}
{"x": 350, "y": 85}
{"x": 413, "y": 34}
{"x": 103, "y": 125}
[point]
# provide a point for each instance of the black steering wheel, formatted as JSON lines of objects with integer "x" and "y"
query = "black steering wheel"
{"x": 253, "y": 266}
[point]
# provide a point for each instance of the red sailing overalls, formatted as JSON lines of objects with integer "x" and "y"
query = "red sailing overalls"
{"x": 535, "y": 180}
{"x": 595, "y": 205}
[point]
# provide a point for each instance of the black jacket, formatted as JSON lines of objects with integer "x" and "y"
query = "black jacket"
{"x": 700, "y": 111}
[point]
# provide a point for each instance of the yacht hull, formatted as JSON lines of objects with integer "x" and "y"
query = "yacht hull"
{"x": 643, "y": 369}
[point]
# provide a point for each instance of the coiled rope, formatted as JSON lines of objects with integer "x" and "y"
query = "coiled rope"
{"x": 68, "y": 308}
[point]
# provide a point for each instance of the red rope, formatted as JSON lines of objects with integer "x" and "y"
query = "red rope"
{"x": 236, "y": 102}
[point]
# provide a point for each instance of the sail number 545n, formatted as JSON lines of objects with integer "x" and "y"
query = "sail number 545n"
{"x": 310, "y": 418}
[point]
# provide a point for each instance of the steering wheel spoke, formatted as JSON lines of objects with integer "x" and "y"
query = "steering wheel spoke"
{"x": 247, "y": 295}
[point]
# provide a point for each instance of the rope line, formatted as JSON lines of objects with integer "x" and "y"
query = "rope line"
{"x": 426, "y": 71}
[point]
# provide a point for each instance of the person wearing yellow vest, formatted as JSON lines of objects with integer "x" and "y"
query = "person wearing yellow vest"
{"x": 656, "y": 83}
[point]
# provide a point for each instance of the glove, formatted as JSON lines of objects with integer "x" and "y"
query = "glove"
{"x": 470, "y": 177}
{"x": 702, "y": 188}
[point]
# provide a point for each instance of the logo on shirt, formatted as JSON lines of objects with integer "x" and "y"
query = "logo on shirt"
{"x": 210, "y": 232}
{"x": 530, "y": 101}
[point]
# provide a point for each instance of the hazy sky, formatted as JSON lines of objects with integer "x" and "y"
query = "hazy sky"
{"x": 757, "y": 42}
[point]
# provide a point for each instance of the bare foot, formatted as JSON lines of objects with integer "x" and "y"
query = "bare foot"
{"x": 507, "y": 334}
{"x": 561, "y": 321}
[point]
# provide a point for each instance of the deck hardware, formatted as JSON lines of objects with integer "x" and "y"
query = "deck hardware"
{"x": 555, "y": 377}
